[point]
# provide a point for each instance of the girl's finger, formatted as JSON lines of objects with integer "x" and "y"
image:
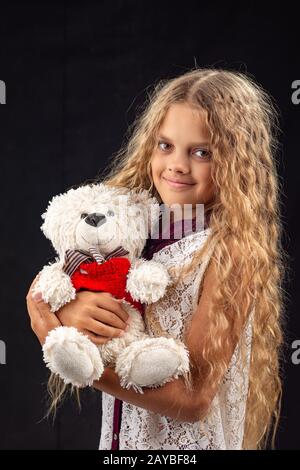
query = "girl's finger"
{"x": 37, "y": 296}
{"x": 96, "y": 339}
{"x": 32, "y": 309}
{"x": 109, "y": 318}
{"x": 111, "y": 304}
{"x": 34, "y": 282}
{"x": 44, "y": 310}
{"x": 42, "y": 307}
{"x": 101, "y": 329}
{"x": 40, "y": 311}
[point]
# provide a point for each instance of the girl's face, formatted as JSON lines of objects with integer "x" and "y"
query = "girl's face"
{"x": 181, "y": 159}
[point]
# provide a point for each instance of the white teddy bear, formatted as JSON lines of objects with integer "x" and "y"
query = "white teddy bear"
{"x": 99, "y": 232}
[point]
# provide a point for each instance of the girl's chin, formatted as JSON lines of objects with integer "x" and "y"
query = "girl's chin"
{"x": 173, "y": 203}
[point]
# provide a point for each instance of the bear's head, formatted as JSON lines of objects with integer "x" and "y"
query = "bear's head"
{"x": 102, "y": 217}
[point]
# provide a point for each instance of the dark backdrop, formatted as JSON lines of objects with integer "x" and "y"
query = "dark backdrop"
{"x": 75, "y": 76}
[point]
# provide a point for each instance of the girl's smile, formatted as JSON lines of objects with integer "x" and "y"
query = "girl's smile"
{"x": 176, "y": 183}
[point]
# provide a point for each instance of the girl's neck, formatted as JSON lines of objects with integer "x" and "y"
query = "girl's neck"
{"x": 174, "y": 216}
{"x": 167, "y": 233}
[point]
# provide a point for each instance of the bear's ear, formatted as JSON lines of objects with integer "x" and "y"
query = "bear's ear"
{"x": 55, "y": 218}
{"x": 49, "y": 216}
{"x": 46, "y": 226}
{"x": 149, "y": 203}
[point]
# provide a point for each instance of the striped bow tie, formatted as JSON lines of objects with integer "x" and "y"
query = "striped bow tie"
{"x": 74, "y": 258}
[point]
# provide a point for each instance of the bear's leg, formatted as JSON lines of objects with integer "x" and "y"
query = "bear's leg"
{"x": 72, "y": 356}
{"x": 152, "y": 362}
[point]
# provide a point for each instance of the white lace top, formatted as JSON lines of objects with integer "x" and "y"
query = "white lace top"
{"x": 224, "y": 426}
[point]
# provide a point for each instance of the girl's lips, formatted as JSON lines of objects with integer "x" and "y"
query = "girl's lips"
{"x": 174, "y": 184}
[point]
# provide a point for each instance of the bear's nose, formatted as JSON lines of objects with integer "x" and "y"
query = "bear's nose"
{"x": 95, "y": 220}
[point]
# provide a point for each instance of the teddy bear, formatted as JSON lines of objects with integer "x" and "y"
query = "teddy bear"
{"x": 99, "y": 233}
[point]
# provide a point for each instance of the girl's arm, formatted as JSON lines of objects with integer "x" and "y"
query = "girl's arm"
{"x": 171, "y": 399}
{"x": 174, "y": 399}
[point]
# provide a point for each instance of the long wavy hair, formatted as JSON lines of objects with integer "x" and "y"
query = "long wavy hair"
{"x": 245, "y": 219}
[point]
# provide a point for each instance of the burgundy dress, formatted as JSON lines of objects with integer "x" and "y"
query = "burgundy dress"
{"x": 164, "y": 238}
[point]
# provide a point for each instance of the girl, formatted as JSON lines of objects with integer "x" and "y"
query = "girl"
{"x": 206, "y": 137}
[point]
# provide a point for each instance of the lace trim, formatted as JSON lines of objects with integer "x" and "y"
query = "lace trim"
{"x": 223, "y": 427}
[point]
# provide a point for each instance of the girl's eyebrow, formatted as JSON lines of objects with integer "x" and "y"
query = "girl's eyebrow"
{"x": 193, "y": 144}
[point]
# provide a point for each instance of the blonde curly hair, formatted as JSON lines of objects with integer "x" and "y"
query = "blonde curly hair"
{"x": 244, "y": 218}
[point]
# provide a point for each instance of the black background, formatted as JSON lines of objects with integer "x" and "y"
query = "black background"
{"x": 75, "y": 75}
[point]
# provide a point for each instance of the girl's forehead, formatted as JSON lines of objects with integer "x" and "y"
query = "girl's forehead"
{"x": 183, "y": 121}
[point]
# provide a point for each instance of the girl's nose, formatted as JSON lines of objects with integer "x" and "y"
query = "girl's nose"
{"x": 179, "y": 163}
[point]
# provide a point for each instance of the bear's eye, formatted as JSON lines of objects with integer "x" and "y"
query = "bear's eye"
{"x": 84, "y": 215}
{"x": 110, "y": 213}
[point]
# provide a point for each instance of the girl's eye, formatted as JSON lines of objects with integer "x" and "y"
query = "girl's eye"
{"x": 205, "y": 153}
{"x": 162, "y": 143}
{"x": 110, "y": 213}
{"x": 84, "y": 215}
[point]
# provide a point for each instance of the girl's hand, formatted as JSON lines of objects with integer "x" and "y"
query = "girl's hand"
{"x": 42, "y": 319}
{"x": 96, "y": 314}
